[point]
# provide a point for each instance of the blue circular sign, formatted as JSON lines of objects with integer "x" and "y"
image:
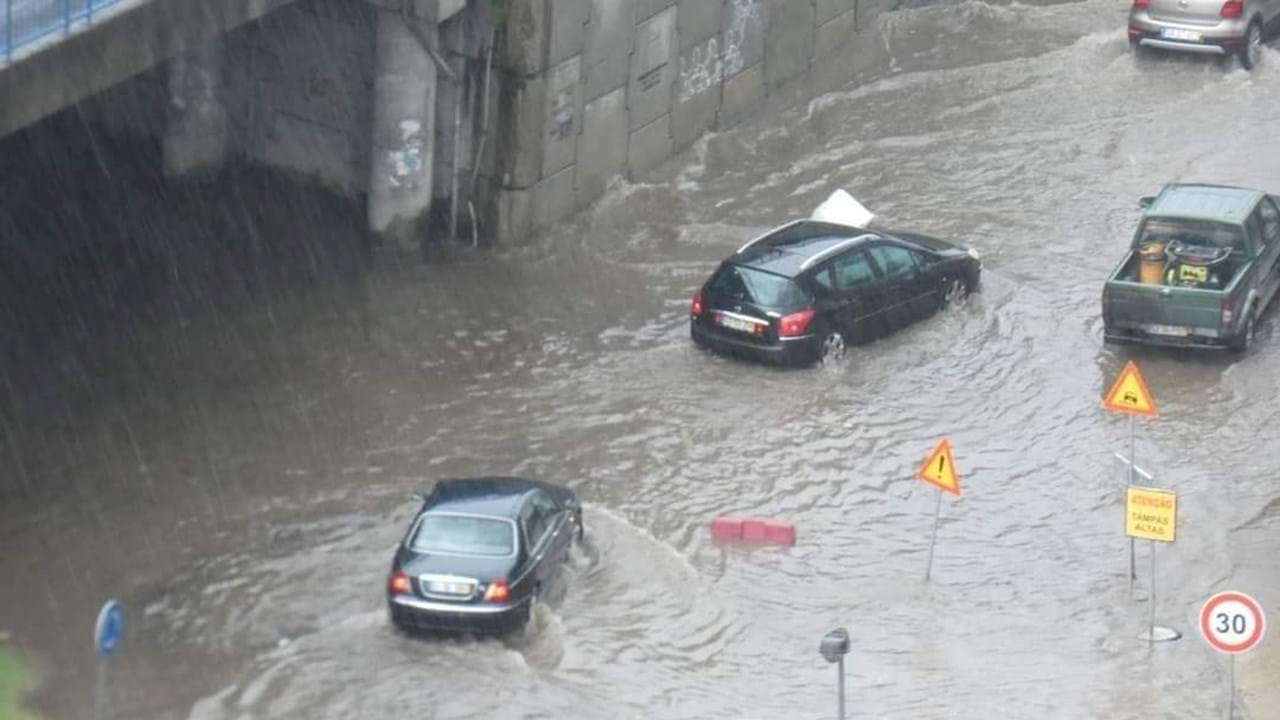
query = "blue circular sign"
{"x": 109, "y": 629}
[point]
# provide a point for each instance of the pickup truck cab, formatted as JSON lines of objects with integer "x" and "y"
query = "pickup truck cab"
{"x": 1200, "y": 270}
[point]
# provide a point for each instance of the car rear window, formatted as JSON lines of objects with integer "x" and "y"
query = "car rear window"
{"x": 1192, "y": 232}
{"x": 757, "y": 287}
{"x": 464, "y": 535}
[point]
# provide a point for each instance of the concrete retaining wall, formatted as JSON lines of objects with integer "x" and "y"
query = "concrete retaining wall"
{"x": 599, "y": 89}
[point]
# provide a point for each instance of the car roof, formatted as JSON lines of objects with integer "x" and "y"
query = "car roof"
{"x": 784, "y": 250}
{"x": 496, "y": 496}
{"x": 1222, "y": 203}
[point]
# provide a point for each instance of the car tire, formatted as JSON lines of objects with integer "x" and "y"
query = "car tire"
{"x": 953, "y": 291}
{"x": 1241, "y": 342}
{"x": 833, "y": 349}
{"x": 1251, "y": 49}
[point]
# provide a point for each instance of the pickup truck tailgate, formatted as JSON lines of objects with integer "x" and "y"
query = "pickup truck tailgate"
{"x": 1135, "y": 305}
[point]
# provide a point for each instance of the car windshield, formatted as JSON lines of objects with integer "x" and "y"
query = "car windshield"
{"x": 464, "y": 535}
{"x": 1192, "y": 232}
{"x": 756, "y": 286}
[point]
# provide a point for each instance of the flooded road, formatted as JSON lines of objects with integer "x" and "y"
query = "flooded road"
{"x": 235, "y": 460}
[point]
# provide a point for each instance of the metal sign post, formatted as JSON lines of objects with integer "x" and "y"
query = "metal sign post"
{"x": 1129, "y": 395}
{"x": 1133, "y": 462}
{"x": 833, "y": 647}
{"x": 937, "y": 512}
{"x": 107, "y": 634}
{"x": 939, "y": 470}
{"x": 1152, "y": 514}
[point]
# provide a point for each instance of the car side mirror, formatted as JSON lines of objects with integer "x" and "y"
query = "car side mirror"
{"x": 1145, "y": 202}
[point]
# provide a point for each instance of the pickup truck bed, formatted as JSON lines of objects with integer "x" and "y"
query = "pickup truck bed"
{"x": 1165, "y": 315}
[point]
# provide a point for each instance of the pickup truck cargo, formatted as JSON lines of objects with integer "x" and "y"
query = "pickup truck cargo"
{"x": 1200, "y": 270}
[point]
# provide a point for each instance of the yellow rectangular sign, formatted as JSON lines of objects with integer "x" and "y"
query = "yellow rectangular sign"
{"x": 1151, "y": 514}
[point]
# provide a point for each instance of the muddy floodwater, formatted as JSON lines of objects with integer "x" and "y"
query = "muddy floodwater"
{"x": 225, "y": 433}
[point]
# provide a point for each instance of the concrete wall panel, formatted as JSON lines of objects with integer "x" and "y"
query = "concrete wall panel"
{"x": 602, "y": 146}
{"x": 568, "y": 20}
{"x": 563, "y": 110}
{"x": 515, "y": 216}
{"x": 653, "y": 68}
{"x": 827, "y": 9}
{"x": 607, "y": 46}
{"x": 691, "y": 118}
{"x": 741, "y": 94}
{"x": 315, "y": 151}
{"x": 554, "y": 199}
{"x": 788, "y": 41}
{"x": 742, "y": 34}
{"x": 649, "y": 146}
{"x": 646, "y": 9}
{"x": 833, "y": 34}
{"x": 520, "y": 133}
{"x": 698, "y": 20}
{"x": 527, "y": 36}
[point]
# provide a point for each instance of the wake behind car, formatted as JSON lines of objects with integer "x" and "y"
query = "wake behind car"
{"x": 479, "y": 552}
{"x": 803, "y": 292}
{"x": 1205, "y": 27}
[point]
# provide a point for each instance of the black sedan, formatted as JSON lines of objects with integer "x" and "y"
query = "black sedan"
{"x": 803, "y": 292}
{"x": 479, "y": 552}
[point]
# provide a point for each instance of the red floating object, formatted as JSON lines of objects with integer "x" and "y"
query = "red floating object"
{"x": 782, "y": 533}
{"x": 726, "y": 528}
{"x": 753, "y": 530}
{"x": 750, "y": 530}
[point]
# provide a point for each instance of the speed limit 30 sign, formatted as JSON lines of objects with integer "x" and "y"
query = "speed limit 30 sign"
{"x": 1232, "y": 622}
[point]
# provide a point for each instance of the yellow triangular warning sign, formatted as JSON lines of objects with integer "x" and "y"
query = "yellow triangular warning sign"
{"x": 940, "y": 469}
{"x": 1129, "y": 394}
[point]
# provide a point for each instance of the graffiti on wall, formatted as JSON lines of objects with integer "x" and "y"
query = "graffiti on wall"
{"x": 406, "y": 160}
{"x": 701, "y": 69}
{"x": 562, "y": 115}
{"x": 745, "y": 16}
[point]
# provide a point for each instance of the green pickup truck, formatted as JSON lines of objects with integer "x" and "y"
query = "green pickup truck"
{"x": 1201, "y": 269}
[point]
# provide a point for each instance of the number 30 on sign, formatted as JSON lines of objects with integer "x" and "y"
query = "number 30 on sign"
{"x": 1232, "y": 622}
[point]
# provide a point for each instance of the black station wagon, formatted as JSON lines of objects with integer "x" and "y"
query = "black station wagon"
{"x": 479, "y": 552}
{"x": 803, "y": 292}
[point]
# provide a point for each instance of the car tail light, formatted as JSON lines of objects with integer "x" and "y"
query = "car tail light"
{"x": 1142, "y": 4}
{"x": 1232, "y": 8}
{"x": 795, "y": 324}
{"x": 696, "y": 308}
{"x": 399, "y": 583}
{"x": 1134, "y": 33}
{"x": 498, "y": 591}
{"x": 1228, "y": 314}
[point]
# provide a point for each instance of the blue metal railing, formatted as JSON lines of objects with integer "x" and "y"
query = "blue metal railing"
{"x": 23, "y": 22}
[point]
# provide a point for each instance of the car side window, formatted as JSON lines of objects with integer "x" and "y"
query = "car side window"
{"x": 851, "y": 270}
{"x": 542, "y": 517}
{"x": 822, "y": 281}
{"x": 1270, "y": 221}
{"x": 893, "y": 260}
{"x": 922, "y": 259}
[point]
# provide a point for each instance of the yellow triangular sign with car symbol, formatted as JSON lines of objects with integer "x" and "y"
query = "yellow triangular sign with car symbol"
{"x": 940, "y": 468}
{"x": 1129, "y": 394}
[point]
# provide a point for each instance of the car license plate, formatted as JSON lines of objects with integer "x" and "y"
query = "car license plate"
{"x": 1175, "y": 330}
{"x": 734, "y": 323}
{"x": 440, "y": 587}
{"x": 1176, "y": 34}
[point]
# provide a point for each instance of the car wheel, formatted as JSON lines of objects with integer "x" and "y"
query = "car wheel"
{"x": 1241, "y": 342}
{"x": 833, "y": 349}
{"x": 1251, "y": 49}
{"x": 953, "y": 291}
